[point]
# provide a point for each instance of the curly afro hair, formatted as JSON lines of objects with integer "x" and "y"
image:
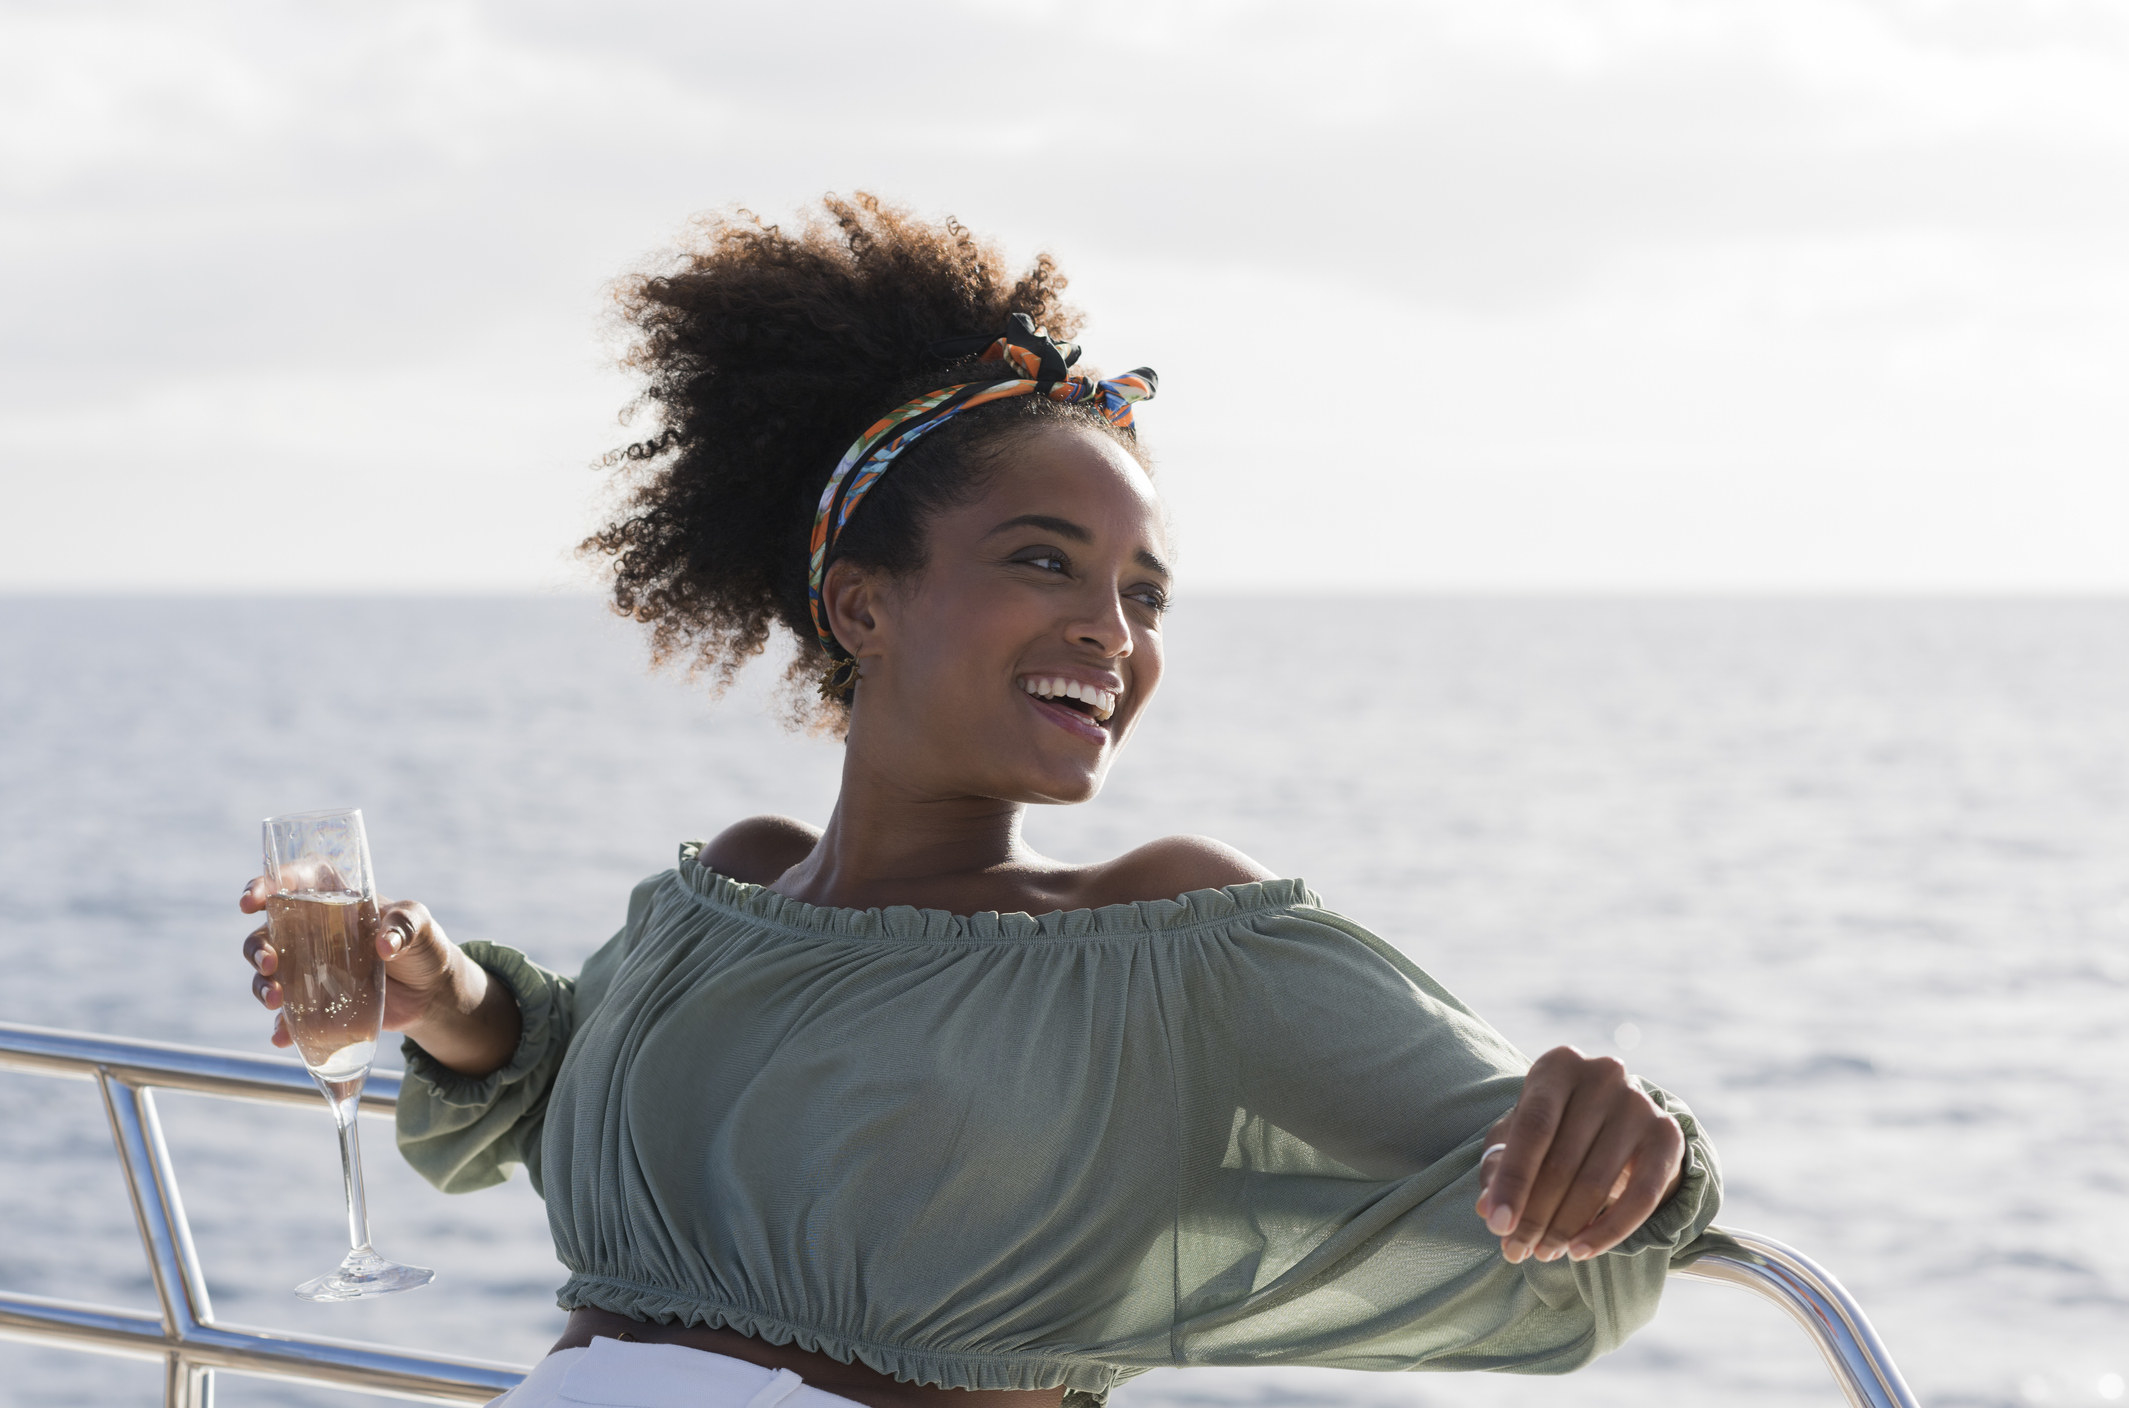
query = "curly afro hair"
{"x": 765, "y": 353}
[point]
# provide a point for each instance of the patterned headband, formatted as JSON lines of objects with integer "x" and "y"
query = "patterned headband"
{"x": 1044, "y": 367}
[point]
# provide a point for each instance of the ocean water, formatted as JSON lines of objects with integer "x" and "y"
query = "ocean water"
{"x": 1850, "y": 877}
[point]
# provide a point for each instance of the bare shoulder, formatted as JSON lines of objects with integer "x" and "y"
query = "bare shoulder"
{"x": 760, "y": 849}
{"x": 1175, "y": 865}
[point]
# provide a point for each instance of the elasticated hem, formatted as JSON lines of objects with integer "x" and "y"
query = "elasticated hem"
{"x": 1199, "y": 909}
{"x": 1699, "y": 1187}
{"x": 539, "y": 1027}
{"x": 906, "y": 1363}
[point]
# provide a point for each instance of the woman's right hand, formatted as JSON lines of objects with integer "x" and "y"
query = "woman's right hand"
{"x": 432, "y": 991}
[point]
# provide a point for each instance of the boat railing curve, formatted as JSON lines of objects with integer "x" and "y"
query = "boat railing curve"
{"x": 192, "y": 1345}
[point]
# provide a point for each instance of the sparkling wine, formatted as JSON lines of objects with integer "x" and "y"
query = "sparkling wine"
{"x": 332, "y": 981}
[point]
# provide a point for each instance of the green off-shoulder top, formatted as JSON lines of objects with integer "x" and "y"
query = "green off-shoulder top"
{"x": 1019, "y": 1151}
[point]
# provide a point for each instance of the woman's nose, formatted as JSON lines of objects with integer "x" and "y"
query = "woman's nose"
{"x": 1104, "y": 626}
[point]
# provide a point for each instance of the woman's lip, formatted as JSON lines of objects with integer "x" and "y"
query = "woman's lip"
{"x": 1070, "y": 720}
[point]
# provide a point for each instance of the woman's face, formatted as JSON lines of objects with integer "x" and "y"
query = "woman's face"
{"x": 1016, "y": 661}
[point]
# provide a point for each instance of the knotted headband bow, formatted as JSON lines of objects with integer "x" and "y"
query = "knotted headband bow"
{"x": 1045, "y": 368}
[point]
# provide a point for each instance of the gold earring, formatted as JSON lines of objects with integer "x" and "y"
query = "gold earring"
{"x": 840, "y": 680}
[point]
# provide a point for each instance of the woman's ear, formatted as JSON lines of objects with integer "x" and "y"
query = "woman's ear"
{"x": 851, "y": 598}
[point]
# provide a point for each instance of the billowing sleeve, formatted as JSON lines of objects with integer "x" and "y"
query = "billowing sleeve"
{"x": 464, "y": 1132}
{"x": 1335, "y": 1111}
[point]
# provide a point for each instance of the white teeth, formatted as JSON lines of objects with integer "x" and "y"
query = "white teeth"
{"x": 1098, "y": 700}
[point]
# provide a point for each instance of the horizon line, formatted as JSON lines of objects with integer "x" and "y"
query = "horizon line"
{"x": 1760, "y": 593}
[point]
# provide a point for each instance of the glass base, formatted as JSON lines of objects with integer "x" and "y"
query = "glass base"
{"x": 365, "y": 1273}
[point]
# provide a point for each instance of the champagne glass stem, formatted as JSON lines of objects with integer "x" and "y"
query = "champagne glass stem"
{"x": 358, "y": 1211}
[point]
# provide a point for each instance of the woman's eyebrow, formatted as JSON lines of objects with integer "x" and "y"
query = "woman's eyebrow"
{"x": 1062, "y": 527}
{"x": 1066, "y": 528}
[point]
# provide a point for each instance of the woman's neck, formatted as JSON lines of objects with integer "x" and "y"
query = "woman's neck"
{"x": 889, "y": 842}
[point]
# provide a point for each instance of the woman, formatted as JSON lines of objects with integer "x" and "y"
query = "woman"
{"x": 897, "y": 1111}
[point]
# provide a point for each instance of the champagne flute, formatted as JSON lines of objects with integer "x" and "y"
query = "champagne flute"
{"x": 322, "y": 917}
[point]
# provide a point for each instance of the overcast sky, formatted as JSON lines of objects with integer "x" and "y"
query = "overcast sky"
{"x": 1803, "y": 295}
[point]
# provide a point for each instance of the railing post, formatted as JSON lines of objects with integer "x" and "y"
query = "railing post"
{"x": 185, "y": 1384}
{"x": 165, "y": 1235}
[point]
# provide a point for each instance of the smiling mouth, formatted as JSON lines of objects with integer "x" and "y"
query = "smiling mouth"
{"x": 1097, "y": 704}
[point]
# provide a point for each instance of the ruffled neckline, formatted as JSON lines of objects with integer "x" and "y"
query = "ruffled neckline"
{"x": 1197, "y": 909}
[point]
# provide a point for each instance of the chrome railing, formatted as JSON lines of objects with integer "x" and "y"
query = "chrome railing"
{"x": 1808, "y": 1292}
{"x": 185, "y": 1335}
{"x": 193, "y": 1345}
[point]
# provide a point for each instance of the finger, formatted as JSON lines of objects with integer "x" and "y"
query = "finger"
{"x": 409, "y": 917}
{"x": 280, "y": 1036}
{"x": 1488, "y": 1163}
{"x": 1655, "y": 1165}
{"x": 1577, "y": 1134}
{"x": 1593, "y": 1183}
{"x": 259, "y": 950}
{"x": 1531, "y": 1125}
{"x": 267, "y": 991}
{"x": 401, "y": 924}
{"x": 254, "y": 897}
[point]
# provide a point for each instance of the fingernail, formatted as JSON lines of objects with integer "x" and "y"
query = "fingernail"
{"x": 1500, "y": 1222}
{"x": 1578, "y": 1251}
{"x": 1514, "y": 1252}
{"x": 1549, "y": 1254}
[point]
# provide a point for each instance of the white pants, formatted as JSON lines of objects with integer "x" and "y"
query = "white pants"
{"x": 633, "y": 1375}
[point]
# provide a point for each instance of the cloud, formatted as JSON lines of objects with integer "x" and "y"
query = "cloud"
{"x": 1574, "y": 240}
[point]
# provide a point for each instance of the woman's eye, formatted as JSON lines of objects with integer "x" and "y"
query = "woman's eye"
{"x": 1156, "y": 602}
{"x": 1047, "y": 561}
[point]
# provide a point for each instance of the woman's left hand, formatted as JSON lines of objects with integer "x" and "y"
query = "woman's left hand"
{"x": 1579, "y": 1163}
